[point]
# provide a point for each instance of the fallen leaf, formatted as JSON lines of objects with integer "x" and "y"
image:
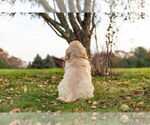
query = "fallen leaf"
{"x": 119, "y": 103}
{"x": 15, "y": 110}
{"x": 49, "y": 123}
{"x": 95, "y": 113}
{"x": 58, "y": 123}
{"x": 140, "y": 103}
{"x": 16, "y": 122}
{"x": 124, "y": 107}
{"x": 76, "y": 110}
{"x": 76, "y": 122}
{"x": 93, "y": 106}
{"x": 1, "y": 80}
{"x": 43, "y": 106}
{"x": 24, "y": 89}
{"x": 89, "y": 102}
{"x": 103, "y": 117}
{"x": 93, "y": 118}
{"x": 95, "y": 103}
{"x": 141, "y": 113}
{"x": 137, "y": 109}
{"x": 40, "y": 86}
{"x": 54, "y": 103}
{"x": 128, "y": 98}
{"x": 38, "y": 123}
{"x": 46, "y": 103}
{"x": 8, "y": 97}
{"x": 11, "y": 101}
{"x": 38, "y": 111}
{"x": 11, "y": 89}
{"x": 124, "y": 118}
{"x": 49, "y": 111}
{"x": 103, "y": 106}
{"x": 7, "y": 85}
{"x": 37, "y": 100}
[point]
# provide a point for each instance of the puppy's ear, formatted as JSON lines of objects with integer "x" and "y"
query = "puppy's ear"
{"x": 83, "y": 54}
{"x": 67, "y": 56}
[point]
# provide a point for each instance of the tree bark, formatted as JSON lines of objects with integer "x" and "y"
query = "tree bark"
{"x": 85, "y": 39}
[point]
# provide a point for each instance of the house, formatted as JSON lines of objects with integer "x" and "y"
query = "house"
{"x": 59, "y": 62}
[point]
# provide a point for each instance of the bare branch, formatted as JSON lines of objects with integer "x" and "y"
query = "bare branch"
{"x": 63, "y": 20}
{"x": 65, "y": 24}
{"x": 78, "y": 6}
{"x": 71, "y": 6}
{"x": 61, "y": 5}
{"x": 87, "y": 21}
{"x": 46, "y": 6}
{"x": 54, "y": 29}
{"x": 74, "y": 24}
{"x": 79, "y": 19}
{"x": 87, "y": 6}
{"x": 54, "y": 24}
{"x": 93, "y": 6}
{"x": 93, "y": 23}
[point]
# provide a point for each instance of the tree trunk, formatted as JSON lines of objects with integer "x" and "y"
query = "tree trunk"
{"x": 85, "y": 39}
{"x": 87, "y": 43}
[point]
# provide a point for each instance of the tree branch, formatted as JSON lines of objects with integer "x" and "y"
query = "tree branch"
{"x": 93, "y": 23}
{"x": 93, "y": 6}
{"x": 71, "y": 6}
{"x": 54, "y": 24}
{"x": 46, "y": 6}
{"x": 87, "y": 20}
{"x": 79, "y": 19}
{"x": 61, "y": 6}
{"x": 63, "y": 20}
{"x": 74, "y": 24}
{"x": 54, "y": 30}
{"x": 87, "y": 6}
{"x": 78, "y": 6}
{"x": 65, "y": 24}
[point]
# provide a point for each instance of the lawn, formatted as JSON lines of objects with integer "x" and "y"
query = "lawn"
{"x": 36, "y": 91}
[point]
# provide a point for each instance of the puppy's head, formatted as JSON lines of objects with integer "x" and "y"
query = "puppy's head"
{"x": 75, "y": 50}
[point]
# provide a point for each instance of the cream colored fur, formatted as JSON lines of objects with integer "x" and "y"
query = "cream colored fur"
{"x": 76, "y": 83}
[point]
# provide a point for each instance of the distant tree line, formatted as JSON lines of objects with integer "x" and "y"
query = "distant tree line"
{"x": 9, "y": 62}
{"x": 138, "y": 58}
{"x": 39, "y": 63}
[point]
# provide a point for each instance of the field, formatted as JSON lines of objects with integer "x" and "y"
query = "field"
{"x": 36, "y": 91}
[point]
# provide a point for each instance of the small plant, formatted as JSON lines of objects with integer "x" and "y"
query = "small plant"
{"x": 100, "y": 63}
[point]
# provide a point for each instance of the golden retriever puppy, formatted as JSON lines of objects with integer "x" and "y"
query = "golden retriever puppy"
{"x": 76, "y": 83}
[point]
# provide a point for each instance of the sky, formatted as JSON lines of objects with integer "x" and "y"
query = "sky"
{"x": 24, "y": 37}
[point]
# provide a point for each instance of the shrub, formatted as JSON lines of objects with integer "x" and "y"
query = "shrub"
{"x": 100, "y": 63}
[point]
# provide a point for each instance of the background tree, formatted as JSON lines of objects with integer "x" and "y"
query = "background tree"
{"x": 141, "y": 57}
{"x": 7, "y": 61}
{"x": 148, "y": 54}
{"x": 15, "y": 62}
{"x": 49, "y": 62}
{"x": 37, "y": 62}
{"x": 29, "y": 66}
{"x": 4, "y": 63}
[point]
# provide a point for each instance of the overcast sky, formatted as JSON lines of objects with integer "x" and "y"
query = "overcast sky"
{"x": 24, "y": 37}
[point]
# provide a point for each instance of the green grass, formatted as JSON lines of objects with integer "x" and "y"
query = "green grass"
{"x": 36, "y": 90}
